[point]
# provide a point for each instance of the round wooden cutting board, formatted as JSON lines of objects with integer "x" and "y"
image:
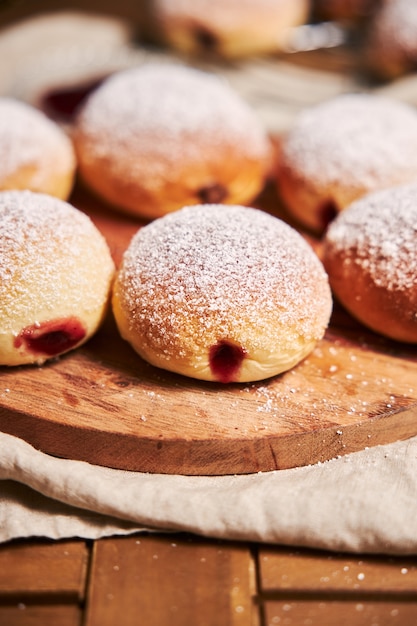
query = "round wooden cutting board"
{"x": 105, "y": 405}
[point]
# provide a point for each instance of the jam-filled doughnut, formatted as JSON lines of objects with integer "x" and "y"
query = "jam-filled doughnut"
{"x": 370, "y": 254}
{"x": 154, "y": 138}
{"x": 342, "y": 149}
{"x": 391, "y": 41}
{"x": 228, "y": 28}
{"x": 221, "y": 293}
{"x": 35, "y": 153}
{"x": 56, "y": 273}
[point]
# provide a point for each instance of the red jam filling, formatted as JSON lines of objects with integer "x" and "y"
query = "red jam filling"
{"x": 212, "y": 194}
{"x": 51, "y": 338}
{"x": 225, "y": 361}
{"x": 62, "y": 104}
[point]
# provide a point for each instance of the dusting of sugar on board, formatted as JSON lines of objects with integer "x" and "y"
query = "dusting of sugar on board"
{"x": 171, "y": 112}
{"x": 379, "y": 233}
{"x": 360, "y": 139}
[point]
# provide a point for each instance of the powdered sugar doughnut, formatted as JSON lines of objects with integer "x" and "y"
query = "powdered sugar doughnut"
{"x": 229, "y": 28}
{"x": 55, "y": 277}
{"x": 154, "y": 138}
{"x": 221, "y": 293}
{"x": 391, "y": 42}
{"x": 35, "y": 153}
{"x": 370, "y": 253}
{"x": 342, "y": 149}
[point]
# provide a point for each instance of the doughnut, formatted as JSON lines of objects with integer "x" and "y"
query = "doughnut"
{"x": 228, "y": 28}
{"x": 154, "y": 138}
{"x": 391, "y": 41}
{"x": 340, "y": 150}
{"x": 55, "y": 277}
{"x": 370, "y": 254}
{"x": 35, "y": 153}
{"x": 221, "y": 293}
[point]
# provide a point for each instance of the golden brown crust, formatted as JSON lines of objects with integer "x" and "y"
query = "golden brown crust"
{"x": 371, "y": 259}
{"x": 236, "y": 177}
{"x": 221, "y": 293}
{"x": 342, "y": 149}
{"x": 55, "y": 277}
{"x": 150, "y": 155}
{"x": 35, "y": 153}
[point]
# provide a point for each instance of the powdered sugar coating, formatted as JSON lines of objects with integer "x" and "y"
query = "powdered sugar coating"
{"x": 354, "y": 141}
{"x": 210, "y": 273}
{"x": 171, "y": 113}
{"x": 53, "y": 263}
{"x": 29, "y": 139}
{"x": 379, "y": 234}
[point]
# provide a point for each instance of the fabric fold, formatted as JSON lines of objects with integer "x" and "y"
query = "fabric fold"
{"x": 364, "y": 502}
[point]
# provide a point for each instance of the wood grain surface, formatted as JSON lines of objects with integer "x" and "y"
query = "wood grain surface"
{"x": 178, "y": 580}
{"x": 103, "y": 404}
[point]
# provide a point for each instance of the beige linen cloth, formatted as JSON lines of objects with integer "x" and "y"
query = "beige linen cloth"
{"x": 363, "y": 502}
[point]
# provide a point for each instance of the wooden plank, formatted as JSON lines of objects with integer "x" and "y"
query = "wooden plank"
{"x": 171, "y": 580}
{"x": 24, "y": 615}
{"x": 328, "y": 612}
{"x": 284, "y": 570}
{"x": 29, "y": 569}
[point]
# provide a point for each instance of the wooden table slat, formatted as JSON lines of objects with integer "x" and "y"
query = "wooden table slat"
{"x": 339, "y": 613}
{"x": 171, "y": 580}
{"x": 53, "y": 615}
{"x": 309, "y": 571}
{"x": 57, "y": 569}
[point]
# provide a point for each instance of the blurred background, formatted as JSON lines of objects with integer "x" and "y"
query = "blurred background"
{"x": 279, "y": 59}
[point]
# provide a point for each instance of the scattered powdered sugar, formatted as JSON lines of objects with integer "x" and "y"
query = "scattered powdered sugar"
{"x": 165, "y": 113}
{"x": 230, "y": 272}
{"x": 51, "y": 255}
{"x": 379, "y": 233}
{"x": 29, "y": 139}
{"x": 359, "y": 140}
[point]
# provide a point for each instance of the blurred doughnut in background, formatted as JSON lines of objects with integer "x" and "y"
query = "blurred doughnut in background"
{"x": 229, "y": 29}
{"x": 391, "y": 40}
